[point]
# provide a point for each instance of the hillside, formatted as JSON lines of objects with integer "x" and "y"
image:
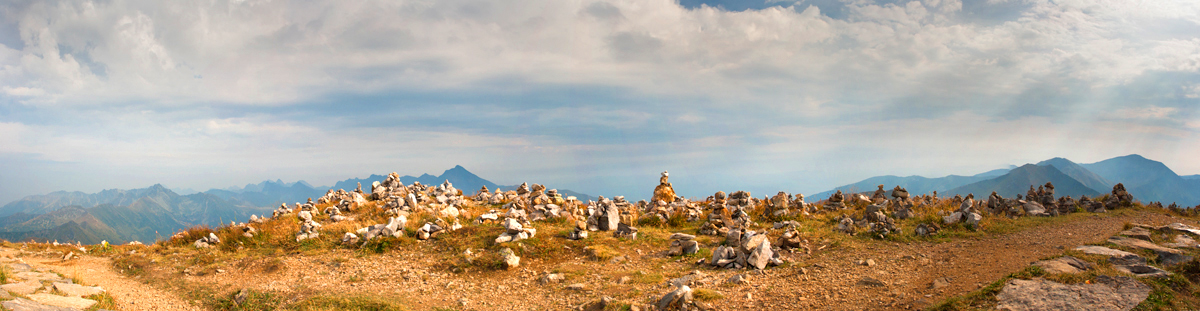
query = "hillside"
{"x": 1148, "y": 180}
{"x": 1020, "y": 179}
{"x": 916, "y": 185}
{"x": 41, "y": 204}
{"x": 1080, "y": 174}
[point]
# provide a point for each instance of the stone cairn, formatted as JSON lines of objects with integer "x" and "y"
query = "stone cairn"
{"x": 683, "y": 244}
{"x": 965, "y": 214}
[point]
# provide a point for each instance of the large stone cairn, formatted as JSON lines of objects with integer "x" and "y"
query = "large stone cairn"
{"x": 778, "y": 205}
{"x": 603, "y": 216}
{"x": 663, "y": 192}
{"x": 718, "y": 223}
{"x": 1119, "y": 198}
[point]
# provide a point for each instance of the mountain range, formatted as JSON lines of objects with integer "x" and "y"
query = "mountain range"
{"x": 1147, "y": 180}
{"x": 155, "y": 212}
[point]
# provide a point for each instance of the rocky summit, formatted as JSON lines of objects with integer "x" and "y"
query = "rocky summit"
{"x": 396, "y": 246}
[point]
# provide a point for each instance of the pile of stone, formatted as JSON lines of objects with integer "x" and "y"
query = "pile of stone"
{"x": 877, "y": 221}
{"x": 393, "y": 228}
{"x": 429, "y": 229}
{"x": 664, "y": 191}
{"x": 254, "y": 219}
{"x": 489, "y": 217}
{"x": 899, "y": 194}
{"x": 603, "y": 216}
{"x": 718, "y": 223}
{"x": 308, "y": 227}
{"x": 1119, "y": 198}
{"x": 207, "y": 241}
{"x": 580, "y": 231}
{"x": 902, "y": 209}
{"x": 924, "y": 230}
{"x": 282, "y": 210}
{"x": 835, "y": 201}
{"x": 335, "y": 214}
{"x": 847, "y": 225}
{"x": 678, "y": 299}
{"x": 514, "y": 231}
{"x": 744, "y": 250}
{"x": 247, "y": 231}
{"x": 625, "y": 231}
{"x": 965, "y": 214}
{"x": 780, "y": 205}
{"x": 790, "y": 239}
{"x": 683, "y": 244}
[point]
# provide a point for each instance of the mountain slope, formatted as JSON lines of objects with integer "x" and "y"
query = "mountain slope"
{"x": 1148, "y": 180}
{"x": 1132, "y": 170}
{"x": 1020, "y": 179}
{"x": 1081, "y": 174}
{"x": 916, "y": 185}
{"x": 41, "y": 204}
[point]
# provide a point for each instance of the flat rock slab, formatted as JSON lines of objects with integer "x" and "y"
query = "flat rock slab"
{"x": 1182, "y": 241}
{"x": 22, "y": 304}
{"x": 62, "y": 301}
{"x": 19, "y": 267}
{"x": 76, "y": 290}
{"x": 1185, "y": 228}
{"x": 1065, "y": 264}
{"x": 22, "y": 288}
{"x": 1101, "y": 250}
{"x": 1137, "y": 233}
{"x": 1141, "y": 244}
{"x": 41, "y": 276}
{"x": 1107, "y": 293}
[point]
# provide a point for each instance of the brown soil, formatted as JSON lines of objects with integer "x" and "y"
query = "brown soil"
{"x": 828, "y": 279}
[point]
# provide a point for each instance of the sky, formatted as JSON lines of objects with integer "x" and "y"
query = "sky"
{"x": 594, "y": 96}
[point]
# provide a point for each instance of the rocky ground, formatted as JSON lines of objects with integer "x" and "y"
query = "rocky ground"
{"x": 393, "y": 250}
{"x": 856, "y": 274}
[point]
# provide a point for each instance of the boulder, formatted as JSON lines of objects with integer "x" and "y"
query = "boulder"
{"x": 22, "y": 304}
{"x": 510, "y": 259}
{"x": 677, "y": 299}
{"x": 1107, "y": 293}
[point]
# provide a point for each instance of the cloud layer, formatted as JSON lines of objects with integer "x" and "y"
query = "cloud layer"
{"x": 596, "y": 96}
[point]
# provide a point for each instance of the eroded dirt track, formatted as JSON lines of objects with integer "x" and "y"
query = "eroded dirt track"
{"x": 129, "y": 294}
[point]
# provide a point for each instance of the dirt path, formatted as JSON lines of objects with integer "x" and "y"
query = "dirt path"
{"x": 129, "y": 294}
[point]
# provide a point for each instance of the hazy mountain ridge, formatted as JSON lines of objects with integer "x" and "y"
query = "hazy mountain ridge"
{"x": 914, "y": 184}
{"x": 155, "y": 212}
{"x": 1146, "y": 179}
{"x": 1019, "y": 180}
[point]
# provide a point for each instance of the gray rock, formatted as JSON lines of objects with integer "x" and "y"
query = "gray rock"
{"x": 1170, "y": 259}
{"x": 1101, "y": 250}
{"x": 1107, "y": 293}
{"x": 868, "y": 281}
{"x": 1142, "y": 270}
{"x": 738, "y": 279}
{"x": 761, "y": 255}
{"x": 22, "y": 288}
{"x": 1065, "y": 264}
{"x": 510, "y": 259}
{"x": 552, "y": 278}
{"x": 22, "y": 304}
{"x": 1141, "y": 244}
{"x": 76, "y": 290}
{"x": 676, "y": 299}
{"x": 61, "y": 301}
{"x": 1137, "y": 233}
